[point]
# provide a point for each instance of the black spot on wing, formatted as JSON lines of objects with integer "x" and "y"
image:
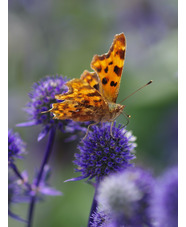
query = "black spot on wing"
{"x": 65, "y": 106}
{"x": 96, "y": 101}
{"x": 98, "y": 69}
{"x": 104, "y": 80}
{"x": 93, "y": 94}
{"x": 121, "y": 53}
{"x": 112, "y": 84}
{"x": 84, "y": 102}
{"x": 117, "y": 70}
{"x": 106, "y": 69}
{"x": 96, "y": 86}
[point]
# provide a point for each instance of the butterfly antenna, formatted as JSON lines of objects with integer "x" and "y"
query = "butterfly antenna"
{"x": 137, "y": 91}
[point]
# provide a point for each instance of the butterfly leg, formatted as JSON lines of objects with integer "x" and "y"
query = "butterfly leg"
{"x": 127, "y": 116}
{"x": 47, "y": 111}
{"x": 88, "y": 128}
{"x": 111, "y": 129}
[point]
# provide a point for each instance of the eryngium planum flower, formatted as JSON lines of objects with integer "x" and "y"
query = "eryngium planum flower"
{"x": 101, "y": 154}
{"x": 126, "y": 196}
{"x": 16, "y": 146}
{"x": 165, "y": 201}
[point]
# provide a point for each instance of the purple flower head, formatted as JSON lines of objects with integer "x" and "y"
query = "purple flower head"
{"x": 16, "y": 146}
{"x": 42, "y": 97}
{"x": 126, "y": 196}
{"x": 101, "y": 154}
{"x": 165, "y": 201}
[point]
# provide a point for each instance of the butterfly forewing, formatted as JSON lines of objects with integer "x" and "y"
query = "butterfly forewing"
{"x": 109, "y": 68}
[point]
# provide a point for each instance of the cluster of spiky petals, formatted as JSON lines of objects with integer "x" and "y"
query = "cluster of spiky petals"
{"x": 101, "y": 154}
{"x": 165, "y": 201}
{"x": 16, "y": 146}
{"x": 99, "y": 219}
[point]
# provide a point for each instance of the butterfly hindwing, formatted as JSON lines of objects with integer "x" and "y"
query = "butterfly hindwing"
{"x": 91, "y": 78}
{"x": 109, "y": 68}
{"x": 81, "y": 103}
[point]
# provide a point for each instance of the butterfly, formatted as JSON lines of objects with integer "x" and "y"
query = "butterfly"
{"x": 93, "y": 96}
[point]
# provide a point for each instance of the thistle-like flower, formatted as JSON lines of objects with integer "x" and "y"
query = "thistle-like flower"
{"x": 42, "y": 97}
{"x": 101, "y": 154}
{"x": 16, "y": 146}
{"x": 165, "y": 201}
{"x": 126, "y": 196}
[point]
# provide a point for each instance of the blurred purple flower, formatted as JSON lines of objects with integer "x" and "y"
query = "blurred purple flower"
{"x": 44, "y": 188}
{"x": 17, "y": 193}
{"x": 42, "y": 97}
{"x": 16, "y": 146}
{"x": 126, "y": 197}
{"x": 165, "y": 201}
{"x": 100, "y": 154}
{"x": 99, "y": 219}
{"x": 149, "y": 19}
{"x": 20, "y": 191}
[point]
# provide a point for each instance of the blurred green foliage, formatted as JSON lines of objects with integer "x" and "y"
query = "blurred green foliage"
{"x": 49, "y": 37}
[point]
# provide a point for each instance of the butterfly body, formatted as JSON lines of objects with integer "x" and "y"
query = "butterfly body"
{"x": 93, "y": 96}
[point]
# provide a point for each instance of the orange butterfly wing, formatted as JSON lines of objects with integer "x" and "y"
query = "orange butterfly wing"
{"x": 80, "y": 103}
{"x": 109, "y": 68}
{"x": 91, "y": 78}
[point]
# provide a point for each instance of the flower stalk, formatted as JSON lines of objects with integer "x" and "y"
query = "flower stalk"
{"x": 39, "y": 176}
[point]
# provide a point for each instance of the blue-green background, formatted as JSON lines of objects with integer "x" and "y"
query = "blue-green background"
{"x": 57, "y": 36}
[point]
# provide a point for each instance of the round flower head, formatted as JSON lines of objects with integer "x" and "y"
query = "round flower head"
{"x": 165, "y": 201}
{"x": 101, "y": 154}
{"x": 127, "y": 196}
{"x": 42, "y": 97}
{"x": 16, "y": 146}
